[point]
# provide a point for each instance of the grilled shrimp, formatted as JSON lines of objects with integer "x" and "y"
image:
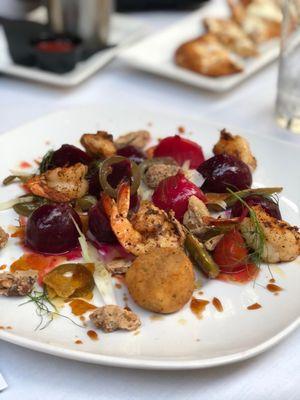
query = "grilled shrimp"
{"x": 193, "y": 217}
{"x": 147, "y": 229}
{"x": 282, "y": 241}
{"x": 98, "y": 144}
{"x": 60, "y": 184}
{"x": 137, "y": 139}
{"x": 235, "y": 146}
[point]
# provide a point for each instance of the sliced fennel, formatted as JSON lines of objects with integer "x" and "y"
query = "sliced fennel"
{"x": 6, "y": 205}
{"x": 102, "y": 277}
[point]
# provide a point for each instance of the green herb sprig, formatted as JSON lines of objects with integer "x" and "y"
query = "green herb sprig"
{"x": 257, "y": 254}
{"x": 45, "y": 309}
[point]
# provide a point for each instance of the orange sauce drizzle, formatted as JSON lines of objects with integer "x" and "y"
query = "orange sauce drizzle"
{"x": 254, "y": 306}
{"x": 37, "y": 262}
{"x": 92, "y": 335}
{"x": 18, "y": 232}
{"x": 273, "y": 288}
{"x": 217, "y": 304}
{"x": 78, "y": 341}
{"x": 198, "y": 306}
{"x": 80, "y": 307}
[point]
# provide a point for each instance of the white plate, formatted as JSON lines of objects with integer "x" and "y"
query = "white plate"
{"x": 180, "y": 340}
{"x": 155, "y": 53}
{"x": 124, "y": 31}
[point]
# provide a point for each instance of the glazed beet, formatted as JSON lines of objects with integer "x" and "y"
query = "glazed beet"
{"x": 181, "y": 150}
{"x": 132, "y": 153}
{"x": 99, "y": 225}
{"x": 120, "y": 171}
{"x": 173, "y": 193}
{"x": 224, "y": 171}
{"x": 50, "y": 229}
{"x": 268, "y": 205}
{"x": 68, "y": 155}
{"x": 93, "y": 179}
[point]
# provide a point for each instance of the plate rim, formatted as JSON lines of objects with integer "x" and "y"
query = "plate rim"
{"x": 125, "y": 362}
{"x": 132, "y": 362}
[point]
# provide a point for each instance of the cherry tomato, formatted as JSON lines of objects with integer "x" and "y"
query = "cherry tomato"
{"x": 231, "y": 253}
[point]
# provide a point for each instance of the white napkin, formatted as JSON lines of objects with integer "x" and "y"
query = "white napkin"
{"x": 3, "y": 384}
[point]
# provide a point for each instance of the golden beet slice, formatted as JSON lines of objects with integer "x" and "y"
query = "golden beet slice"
{"x": 69, "y": 280}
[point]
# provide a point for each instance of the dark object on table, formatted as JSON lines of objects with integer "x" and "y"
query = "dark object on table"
{"x": 144, "y": 5}
{"x": 21, "y": 35}
{"x": 56, "y": 53}
{"x": 87, "y": 19}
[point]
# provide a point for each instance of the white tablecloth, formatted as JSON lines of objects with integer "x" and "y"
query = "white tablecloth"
{"x": 31, "y": 376}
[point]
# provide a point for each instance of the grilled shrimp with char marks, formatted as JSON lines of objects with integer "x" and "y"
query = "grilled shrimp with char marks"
{"x": 237, "y": 146}
{"x": 282, "y": 241}
{"x": 147, "y": 229}
{"x": 60, "y": 184}
{"x": 98, "y": 144}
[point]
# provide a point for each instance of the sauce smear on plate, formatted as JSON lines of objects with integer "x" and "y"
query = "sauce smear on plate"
{"x": 198, "y": 306}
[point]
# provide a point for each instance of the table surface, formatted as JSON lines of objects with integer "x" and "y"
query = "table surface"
{"x": 30, "y": 375}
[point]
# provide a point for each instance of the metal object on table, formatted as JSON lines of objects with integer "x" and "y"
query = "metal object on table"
{"x": 87, "y": 19}
{"x": 288, "y": 91}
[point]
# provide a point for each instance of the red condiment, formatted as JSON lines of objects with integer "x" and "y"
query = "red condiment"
{"x": 55, "y": 46}
{"x": 25, "y": 164}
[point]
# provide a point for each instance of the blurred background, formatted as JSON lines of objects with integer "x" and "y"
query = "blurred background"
{"x": 18, "y": 8}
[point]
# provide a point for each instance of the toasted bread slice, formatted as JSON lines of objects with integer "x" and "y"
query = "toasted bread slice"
{"x": 231, "y": 35}
{"x": 259, "y": 21}
{"x": 207, "y": 56}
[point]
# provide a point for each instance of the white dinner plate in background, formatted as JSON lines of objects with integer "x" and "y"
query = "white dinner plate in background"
{"x": 155, "y": 53}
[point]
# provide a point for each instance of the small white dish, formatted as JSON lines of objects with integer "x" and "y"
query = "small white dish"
{"x": 125, "y": 30}
{"x": 155, "y": 53}
{"x": 177, "y": 341}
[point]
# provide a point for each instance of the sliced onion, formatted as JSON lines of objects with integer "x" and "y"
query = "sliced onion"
{"x": 102, "y": 277}
{"x": 6, "y": 205}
